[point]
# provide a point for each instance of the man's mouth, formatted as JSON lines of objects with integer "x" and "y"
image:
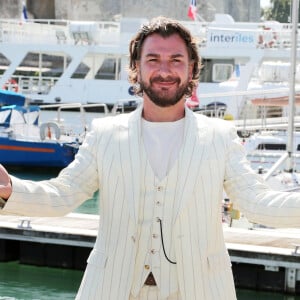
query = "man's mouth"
{"x": 165, "y": 81}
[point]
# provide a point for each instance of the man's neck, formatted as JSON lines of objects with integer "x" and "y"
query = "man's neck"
{"x": 154, "y": 113}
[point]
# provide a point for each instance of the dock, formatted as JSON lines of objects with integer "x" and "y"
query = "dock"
{"x": 262, "y": 258}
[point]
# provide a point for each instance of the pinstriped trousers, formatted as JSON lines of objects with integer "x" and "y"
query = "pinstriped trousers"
{"x": 152, "y": 293}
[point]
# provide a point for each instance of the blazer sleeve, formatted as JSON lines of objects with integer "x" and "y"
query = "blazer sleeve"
{"x": 252, "y": 195}
{"x": 55, "y": 197}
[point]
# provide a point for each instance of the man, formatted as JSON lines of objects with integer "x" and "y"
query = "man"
{"x": 161, "y": 171}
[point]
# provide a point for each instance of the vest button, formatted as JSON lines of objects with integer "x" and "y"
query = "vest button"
{"x": 147, "y": 267}
{"x": 155, "y": 236}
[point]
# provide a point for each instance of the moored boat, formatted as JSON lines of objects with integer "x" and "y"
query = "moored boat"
{"x": 26, "y": 142}
{"x": 264, "y": 149}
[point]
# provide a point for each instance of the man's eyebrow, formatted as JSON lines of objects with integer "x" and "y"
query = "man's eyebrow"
{"x": 157, "y": 55}
{"x": 152, "y": 54}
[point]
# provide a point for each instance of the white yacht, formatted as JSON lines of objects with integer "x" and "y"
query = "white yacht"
{"x": 265, "y": 148}
{"x": 58, "y": 61}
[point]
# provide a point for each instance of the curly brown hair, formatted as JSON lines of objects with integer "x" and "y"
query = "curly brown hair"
{"x": 164, "y": 27}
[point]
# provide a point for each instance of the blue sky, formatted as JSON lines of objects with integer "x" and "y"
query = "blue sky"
{"x": 264, "y": 3}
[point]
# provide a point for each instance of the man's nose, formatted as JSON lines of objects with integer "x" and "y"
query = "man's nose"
{"x": 164, "y": 67}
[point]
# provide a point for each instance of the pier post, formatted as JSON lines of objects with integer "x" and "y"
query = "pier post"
{"x": 290, "y": 280}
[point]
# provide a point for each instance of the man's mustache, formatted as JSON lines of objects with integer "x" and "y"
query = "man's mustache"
{"x": 165, "y": 79}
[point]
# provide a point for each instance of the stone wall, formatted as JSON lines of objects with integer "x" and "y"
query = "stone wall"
{"x": 95, "y": 10}
{"x": 10, "y": 9}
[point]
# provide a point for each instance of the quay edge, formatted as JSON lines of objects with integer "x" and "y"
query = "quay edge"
{"x": 266, "y": 260}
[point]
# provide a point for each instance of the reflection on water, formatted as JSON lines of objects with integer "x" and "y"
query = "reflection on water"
{"x": 23, "y": 282}
{"x": 32, "y": 283}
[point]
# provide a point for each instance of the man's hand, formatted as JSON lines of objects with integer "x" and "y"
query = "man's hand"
{"x": 5, "y": 183}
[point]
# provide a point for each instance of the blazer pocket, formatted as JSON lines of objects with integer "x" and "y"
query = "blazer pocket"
{"x": 97, "y": 259}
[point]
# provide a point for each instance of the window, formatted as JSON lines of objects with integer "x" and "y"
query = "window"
{"x": 222, "y": 72}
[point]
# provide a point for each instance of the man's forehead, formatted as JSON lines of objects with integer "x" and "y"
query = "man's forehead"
{"x": 155, "y": 44}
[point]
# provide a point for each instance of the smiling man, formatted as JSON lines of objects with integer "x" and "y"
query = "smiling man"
{"x": 167, "y": 70}
{"x": 161, "y": 171}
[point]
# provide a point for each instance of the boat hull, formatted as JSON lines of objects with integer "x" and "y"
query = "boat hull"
{"x": 37, "y": 154}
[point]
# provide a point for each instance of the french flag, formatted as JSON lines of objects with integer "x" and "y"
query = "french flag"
{"x": 24, "y": 12}
{"x": 192, "y": 10}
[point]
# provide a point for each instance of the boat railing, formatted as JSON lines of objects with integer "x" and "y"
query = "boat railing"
{"x": 59, "y": 32}
{"x": 119, "y": 106}
{"x": 35, "y": 84}
{"x": 40, "y": 31}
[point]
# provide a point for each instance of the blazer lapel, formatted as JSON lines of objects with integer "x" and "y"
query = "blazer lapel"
{"x": 193, "y": 153}
{"x": 130, "y": 159}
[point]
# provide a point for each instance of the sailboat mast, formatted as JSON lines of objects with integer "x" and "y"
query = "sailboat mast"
{"x": 294, "y": 34}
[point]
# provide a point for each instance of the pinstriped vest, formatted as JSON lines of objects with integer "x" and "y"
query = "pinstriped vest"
{"x": 156, "y": 201}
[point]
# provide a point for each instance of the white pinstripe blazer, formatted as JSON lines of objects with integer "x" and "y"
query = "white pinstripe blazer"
{"x": 212, "y": 158}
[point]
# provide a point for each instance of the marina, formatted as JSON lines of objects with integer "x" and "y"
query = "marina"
{"x": 84, "y": 62}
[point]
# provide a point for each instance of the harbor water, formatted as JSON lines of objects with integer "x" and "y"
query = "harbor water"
{"x": 26, "y": 282}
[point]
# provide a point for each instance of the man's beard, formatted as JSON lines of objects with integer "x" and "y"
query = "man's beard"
{"x": 163, "y": 98}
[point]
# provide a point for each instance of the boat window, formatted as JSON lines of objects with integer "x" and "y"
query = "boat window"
{"x": 42, "y": 65}
{"x": 216, "y": 70}
{"x": 206, "y": 73}
{"x": 222, "y": 72}
{"x": 81, "y": 71}
{"x": 110, "y": 69}
{"x": 266, "y": 146}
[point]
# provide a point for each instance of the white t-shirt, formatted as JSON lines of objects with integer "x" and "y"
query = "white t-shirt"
{"x": 162, "y": 141}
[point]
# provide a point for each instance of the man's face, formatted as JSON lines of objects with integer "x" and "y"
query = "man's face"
{"x": 164, "y": 69}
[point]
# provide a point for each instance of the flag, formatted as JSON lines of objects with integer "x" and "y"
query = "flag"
{"x": 24, "y": 12}
{"x": 192, "y": 10}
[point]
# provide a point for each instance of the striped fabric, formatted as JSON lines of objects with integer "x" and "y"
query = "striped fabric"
{"x": 152, "y": 293}
{"x": 110, "y": 159}
{"x": 157, "y": 200}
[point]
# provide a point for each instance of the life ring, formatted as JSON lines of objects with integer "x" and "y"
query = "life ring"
{"x": 11, "y": 84}
{"x": 45, "y": 130}
{"x": 269, "y": 42}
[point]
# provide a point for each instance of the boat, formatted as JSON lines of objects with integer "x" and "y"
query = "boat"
{"x": 287, "y": 178}
{"x": 64, "y": 61}
{"x": 264, "y": 149}
{"x": 26, "y": 142}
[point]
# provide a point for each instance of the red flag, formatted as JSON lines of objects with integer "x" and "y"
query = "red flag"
{"x": 192, "y": 10}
